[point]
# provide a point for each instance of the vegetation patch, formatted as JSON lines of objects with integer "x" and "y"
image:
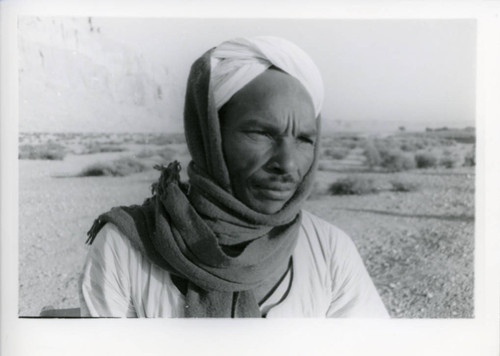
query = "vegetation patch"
{"x": 353, "y": 186}
{"x": 116, "y": 168}
{"x": 412, "y": 144}
{"x": 338, "y": 152}
{"x": 350, "y": 142}
{"x": 395, "y": 160}
{"x": 448, "y": 161}
{"x": 45, "y": 151}
{"x": 426, "y": 160}
{"x": 96, "y": 147}
{"x": 470, "y": 158}
{"x": 372, "y": 154}
{"x": 403, "y": 186}
{"x": 466, "y": 135}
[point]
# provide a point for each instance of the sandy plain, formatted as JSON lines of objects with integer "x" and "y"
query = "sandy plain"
{"x": 418, "y": 246}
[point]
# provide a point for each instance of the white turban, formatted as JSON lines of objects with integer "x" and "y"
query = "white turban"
{"x": 236, "y": 62}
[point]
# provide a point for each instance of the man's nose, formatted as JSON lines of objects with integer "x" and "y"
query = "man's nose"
{"x": 284, "y": 159}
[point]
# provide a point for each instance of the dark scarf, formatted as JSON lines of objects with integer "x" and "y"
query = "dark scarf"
{"x": 201, "y": 232}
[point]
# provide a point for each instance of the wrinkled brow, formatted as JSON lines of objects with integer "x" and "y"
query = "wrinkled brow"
{"x": 260, "y": 121}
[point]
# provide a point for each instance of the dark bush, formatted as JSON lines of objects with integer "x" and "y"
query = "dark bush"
{"x": 446, "y": 142}
{"x": 395, "y": 160}
{"x": 353, "y": 186}
{"x": 96, "y": 147}
{"x": 403, "y": 186}
{"x": 372, "y": 154}
{"x": 338, "y": 152}
{"x": 470, "y": 158}
{"x": 46, "y": 151}
{"x": 117, "y": 168}
{"x": 411, "y": 145}
{"x": 426, "y": 160}
{"x": 350, "y": 142}
{"x": 448, "y": 161}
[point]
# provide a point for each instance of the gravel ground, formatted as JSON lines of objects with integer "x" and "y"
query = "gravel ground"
{"x": 417, "y": 246}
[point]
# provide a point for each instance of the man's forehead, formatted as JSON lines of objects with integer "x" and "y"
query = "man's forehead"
{"x": 266, "y": 119}
{"x": 271, "y": 92}
{"x": 238, "y": 61}
{"x": 275, "y": 82}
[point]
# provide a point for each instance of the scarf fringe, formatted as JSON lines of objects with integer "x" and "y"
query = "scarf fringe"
{"x": 169, "y": 175}
{"x": 94, "y": 230}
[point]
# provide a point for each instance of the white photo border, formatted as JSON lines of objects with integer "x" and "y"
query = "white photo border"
{"x": 477, "y": 336}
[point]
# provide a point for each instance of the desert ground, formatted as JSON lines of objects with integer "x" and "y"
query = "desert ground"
{"x": 406, "y": 199}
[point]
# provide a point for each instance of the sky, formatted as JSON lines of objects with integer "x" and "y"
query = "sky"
{"x": 412, "y": 73}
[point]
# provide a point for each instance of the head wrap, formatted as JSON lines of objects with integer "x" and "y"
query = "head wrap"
{"x": 236, "y": 62}
{"x": 189, "y": 232}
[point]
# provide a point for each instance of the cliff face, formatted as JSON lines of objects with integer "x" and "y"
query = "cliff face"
{"x": 74, "y": 76}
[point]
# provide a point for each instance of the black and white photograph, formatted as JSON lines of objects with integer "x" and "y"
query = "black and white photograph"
{"x": 233, "y": 167}
{"x": 356, "y": 153}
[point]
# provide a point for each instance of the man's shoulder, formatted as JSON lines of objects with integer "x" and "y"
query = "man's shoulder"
{"x": 326, "y": 234}
{"x": 110, "y": 233}
{"x": 111, "y": 239}
{"x": 310, "y": 220}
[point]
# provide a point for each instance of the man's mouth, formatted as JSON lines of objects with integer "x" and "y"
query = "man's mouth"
{"x": 276, "y": 191}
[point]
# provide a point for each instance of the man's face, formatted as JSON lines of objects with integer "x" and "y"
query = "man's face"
{"x": 268, "y": 137}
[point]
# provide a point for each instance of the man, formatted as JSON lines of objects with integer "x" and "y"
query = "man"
{"x": 234, "y": 242}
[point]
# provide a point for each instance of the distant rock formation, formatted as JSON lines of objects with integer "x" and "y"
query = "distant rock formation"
{"x": 75, "y": 77}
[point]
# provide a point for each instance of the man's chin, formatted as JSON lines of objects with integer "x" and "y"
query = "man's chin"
{"x": 271, "y": 207}
{"x": 267, "y": 206}
{"x": 267, "y": 201}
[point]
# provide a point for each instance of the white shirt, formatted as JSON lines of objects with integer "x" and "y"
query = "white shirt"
{"x": 327, "y": 279}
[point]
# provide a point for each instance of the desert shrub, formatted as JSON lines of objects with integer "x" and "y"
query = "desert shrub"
{"x": 96, "y": 147}
{"x": 403, "y": 186}
{"x": 372, "y": 154}
{"x": 420, "y": 144}
{"x": 448, "y": 161}
{"x": 426, "y": 160}
{"x": 395, "y": 160}
{"x": 446, "y": 142}
{"x": 470, "y": 158}
{"x": 350, "y": 142}
{"x": 407, "y": 146}
{"x": 338, "y": 152}
{"x": 353, "y": 186}
{"x": 466, "y": 139}
{"x": 116, "y": 168}
{"x": 46, "y": 151}
{"x": 430, "y": 142}
{"x": 411, "y": 145}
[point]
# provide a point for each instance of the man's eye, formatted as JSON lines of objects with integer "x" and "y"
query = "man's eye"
{"x": 306, "y": 139}
{"x": 258, "y": 134}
